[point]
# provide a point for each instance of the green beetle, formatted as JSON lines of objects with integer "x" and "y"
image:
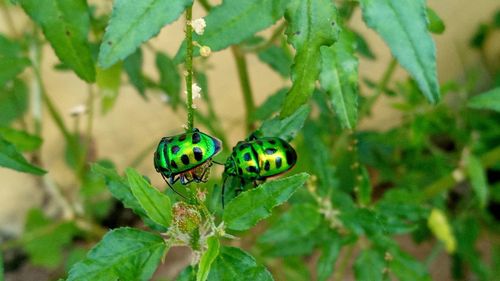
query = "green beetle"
{"x": 187, "y": 157}
{"x": 258, "y": 158}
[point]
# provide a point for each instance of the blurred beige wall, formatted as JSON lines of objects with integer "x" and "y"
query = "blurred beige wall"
{"x": 134, "y": 124}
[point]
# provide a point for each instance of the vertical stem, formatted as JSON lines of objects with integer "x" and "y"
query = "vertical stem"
{"x": 386, "y": 77}
{"x": 241, "y": 65}
{"x": 189, "y": 68}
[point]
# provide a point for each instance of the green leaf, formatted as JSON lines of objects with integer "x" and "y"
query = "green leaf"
{"x": 365, "y": 188}
{"x": 329, "y": 253}
{"x": 13, "y": 101}
{"x": 277, "y": 59}
{"x": 251, "y": 206}
{"x": 312, "y": 24}
{"x": 369, "y": 266}
{"x": 133, "y": 67}
{"x": 298, "y": 222}
{"x": 235, "y": 264}
{"x": 187, "y": 274}
{"x": 488, "y": 100}
{"x": 208, "y": 257}
{"x": 362, "y": 46}
{"x": 12, "y": 60}
{"x": 170, "y": 79}
{"x": 44, "y": 240}
{"x": 22, "y": 140}
{"x": 108, "y": 81}
{"x": 11, "y": 158}
{"x": 156, "y": 204}
{"x": 286, "y": 128}
{"x": 120, "y": 189}
{"x": 65, "y": 24}
{"x": 478, "y": 180}
{"x": 407, "y": 268}
{"x": 123, "y": 254}
{"x": 134, "y": 22}
{"x": 403, "y": 26}
{"x": 339, "y": 77}
{"x": 435, "y": 23}
{"x": 234, "y": 21}
{"x": 271, "y": 105}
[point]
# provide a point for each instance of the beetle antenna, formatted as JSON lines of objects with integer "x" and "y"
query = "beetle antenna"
{"x": 171, "y": 187}
{"x": 223, "y": 189}
{"x": 218, "y": 163}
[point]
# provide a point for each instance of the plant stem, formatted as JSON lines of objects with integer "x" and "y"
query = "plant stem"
{"x": 189, "y": 68}
{"x": 448, "y": 181}
{"x": 90, "y": 117}
{"x": 205, "y": 5}
{"x": 381, "y": 86}
{"x": 241, "y": 65}
{"x": 339, "y": 274}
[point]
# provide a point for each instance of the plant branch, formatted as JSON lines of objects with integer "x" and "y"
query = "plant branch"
{"x": 205, "y": 5}
{"x": 189, "y": 68}
{"x": 448, "y": 181}
{"x": 241, "y": 65}
{"x": 381, "y": 86}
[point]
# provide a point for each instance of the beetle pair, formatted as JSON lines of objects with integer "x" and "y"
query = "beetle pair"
{"x": 187, "y": 157}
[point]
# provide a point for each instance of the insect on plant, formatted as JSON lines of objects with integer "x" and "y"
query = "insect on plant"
{"x": 186, "y": 157}
{"x": 258, "y": 158}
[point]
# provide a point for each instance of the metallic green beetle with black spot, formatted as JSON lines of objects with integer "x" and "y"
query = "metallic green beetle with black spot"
{"x": 187, "y": 157}
{"x": 258, "y": 158}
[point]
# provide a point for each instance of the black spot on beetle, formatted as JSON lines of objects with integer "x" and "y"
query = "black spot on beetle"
{"x": 251, "y": 169}
{"x": 196, "y": 138}
{"x": 278, "y": 162}
{"x": 244, "y": 146}
{"x": 270, "y": 151}
{"x": 198, "y": 154}
{"x": 240, "y": 171}
{"x": 272, "y": 142}
{"x": 185, "y": 159}
{"x": 291, "y": 156}
{"x": 173, "y": 164}
{"x": 267, "y": 165}
{"x": 182, "y": 137}
{"x": 175, "y": 149}
{"x": 247, "y": 156}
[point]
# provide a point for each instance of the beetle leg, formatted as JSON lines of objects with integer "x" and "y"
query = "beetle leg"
{"x": 172, "y": 181}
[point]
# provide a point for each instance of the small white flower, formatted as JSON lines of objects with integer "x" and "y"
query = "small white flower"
{"x": 185, "y": 127}
{"x": 199, "y": 25}
{"x": 196, "y": 91}
{"x": 205, "y": 51}
{"x": 78, "y": 110}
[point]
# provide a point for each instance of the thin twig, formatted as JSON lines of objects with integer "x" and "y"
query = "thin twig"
{"x": 241, "y": 65}
{"x": 189, "y": 68}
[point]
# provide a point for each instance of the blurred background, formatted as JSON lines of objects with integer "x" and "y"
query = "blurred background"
{"x": 135, "y": 125}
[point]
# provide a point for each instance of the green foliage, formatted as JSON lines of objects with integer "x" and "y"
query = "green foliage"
{"x": 11, "y": 158}
{"x": 339, "y": 77}
{"x": 12, "y": 60}
{"x": 170, "y": 79}
{"x": 66, "y": 25}
{"x": 13, "y": 101}
{"x": 234, "y": 21}
{"x": 312, "y": 24}
{"x": 121, "y": 190}
{"x": 213, "y": 247}
{"x": 45, "y": 239}
{"x": 123, "y": 254}
{"x": 270, "y": 194}
{"x": 489, "y": 100}
{"x": 22, "y": 140}
{"x": 431, "y": 177}
{"x": 108, "y": 81}
{"x": 478, "y": 180}
{"x": 156, "y": 204}
{"x": 235, "y": 264}
{"x": 402, "y": 25}
{"x": 134, "y": 22}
